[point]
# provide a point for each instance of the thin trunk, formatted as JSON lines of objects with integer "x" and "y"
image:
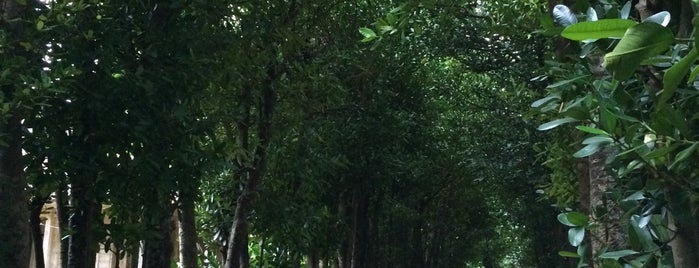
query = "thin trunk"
{"x": 37, "y": 233}
{"x": 312, "y": 261}
{"x": 62, "y": 215}
{"x": 237, "y": 255}
{"x": 188, "y": 237}
{"x": 15, "y": 234}
{"x": 360, "y": 231}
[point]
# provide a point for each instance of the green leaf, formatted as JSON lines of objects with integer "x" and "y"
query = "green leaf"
{"x": 368, "y": 34}
{"x": 597, "y": 29}
{"x": 577, "y": 218}
{"x": 684, "y": 154}
{"x": 592, "y": 130}
{"x": 543, "y": 101}
{"x": 600, "y": 139}
{"x": 567, "y": 81}
{"x": 555, "y": 123}
{"x": 568, "y": 254}
{"x": 587, "y": 150}
{"x": 673, "y": 76}
{"x": 576, "y": 236}
{"x": 640, "y": 237}
{"x": 639, "y": 195}
{"x": 640, "y": 42}
{"x": 617, "y": 254}
{"x": 573, "y": 219}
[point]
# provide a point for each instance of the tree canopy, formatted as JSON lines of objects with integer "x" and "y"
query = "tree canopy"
{"x": 335, "y": 133}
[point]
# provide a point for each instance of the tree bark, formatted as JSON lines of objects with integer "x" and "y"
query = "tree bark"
{"x": 37, "y": 205}
{"x": 188, "y": 235}
{"x": 237, "y": 255}
{"x": 685, "y": 247}
{"x": 157, "y": 251}
{"x": 607, "y": 212}
{"x": 62, "y": 215}
{"x": 15, "y": 235}
{"x": 81, "y": 244}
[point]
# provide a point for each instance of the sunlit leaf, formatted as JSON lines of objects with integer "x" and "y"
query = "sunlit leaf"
{"x": 640, "y": 42}
{"x": 597, "y": 29}
{"x": 563, "y": 16}
{"x": 592, "y": 130}
{"x": 555, "y": 123}
{"x": 661, "y": 18}
{"x": 576, "y": 236}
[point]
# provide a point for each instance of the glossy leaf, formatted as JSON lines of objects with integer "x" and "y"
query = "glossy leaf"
{"x": 673, "y": 76}
{"x": 588, "y": 150}
{"x": 661, "y": 18}
{"x": 555, "y": 123}
{"x": 368, "y": 34}
{"x": 576, "y": 236}
{"x": 684, "y": 154}
{"x": 592, "y": 130}
{"x": 563, "y": 16}
{"x": 617, "y": 254}
{"x": 640, "y": 42}
{"x": 597, "y": 29}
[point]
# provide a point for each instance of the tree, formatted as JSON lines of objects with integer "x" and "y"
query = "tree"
{"x": 640, "y": 119}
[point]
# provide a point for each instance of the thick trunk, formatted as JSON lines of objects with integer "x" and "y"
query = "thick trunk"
{"x": 188, "y": 236}
{"x": 158, "y": 249}
{"x": 685, "y": 247}
{"x": 609, "y": 234}
{"x": 15, "y": 235}
{"x": 82, "y": 247}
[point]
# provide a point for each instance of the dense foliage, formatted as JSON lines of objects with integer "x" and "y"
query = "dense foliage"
{"x": 349, "y": 133}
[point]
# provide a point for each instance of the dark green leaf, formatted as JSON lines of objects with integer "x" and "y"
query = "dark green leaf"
{"x": 684, "y": 154}
{"x": 673, "y": 76}
{"x": 640, "y": 42}
{"x": 617, "y": 254}
{"x": 567, "y": 81}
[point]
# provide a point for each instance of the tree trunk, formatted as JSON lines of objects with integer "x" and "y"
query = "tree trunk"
{"x": 37, "y": 234}
{"x": 610, "y": 232}
{"x": 62, "y": 215}
{"x": 237, "y": 255}
{"x": 157, "y": 251}
{"x": 15, "y": 235}
{"x": 82, "y": 247}
{"x": 188, "y": 235}
{"x": 685, "y": 247}
{"x": 360, "y": 230}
